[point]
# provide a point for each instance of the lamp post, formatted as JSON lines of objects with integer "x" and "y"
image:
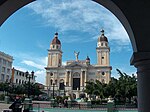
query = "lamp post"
{"x": 64, "y": 89}
{"x": 29, "y": 76}
{"x": 53, "y": 89}
{"x": 48, "y": 88}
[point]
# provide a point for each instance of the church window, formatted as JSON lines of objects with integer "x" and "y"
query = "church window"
{"x": 57, "y": 46}
{"x": 53, "y": 46}
{"x": 59, "y": 62}
{"x": 105, "y": 44}
{"x": 103, "y": 73}
{"x": 16, "y": 81}
{"x": 101, "y": 44}
{"x": 51, "y": 82}
{"x": 51, "y": 74}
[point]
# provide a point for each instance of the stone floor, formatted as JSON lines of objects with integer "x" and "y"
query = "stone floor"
{"x": 4, "y": 106}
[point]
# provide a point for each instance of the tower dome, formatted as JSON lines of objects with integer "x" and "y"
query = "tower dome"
{"x": 56, "y": 40}
{"x": 102, "y": 37}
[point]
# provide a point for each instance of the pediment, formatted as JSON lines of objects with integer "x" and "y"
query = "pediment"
{"x": 75, "y": 65}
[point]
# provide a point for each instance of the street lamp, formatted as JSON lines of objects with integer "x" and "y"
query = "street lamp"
{"x": 29, "y": 76}
{"x": 53, "y": 89}
{"x": 64, "y": 89}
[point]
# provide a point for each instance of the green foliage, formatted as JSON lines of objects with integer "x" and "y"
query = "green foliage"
{"x": 125, "y": 87}
{"x": 20, "y": 89}
{"x": 2, "y": 96}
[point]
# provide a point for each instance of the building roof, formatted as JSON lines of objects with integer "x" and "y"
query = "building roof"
{"x": 102, "y": 37}
{"x": 56, "y": 40}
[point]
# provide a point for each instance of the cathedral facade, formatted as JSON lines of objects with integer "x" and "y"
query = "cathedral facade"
{"x": 70, "y": 79}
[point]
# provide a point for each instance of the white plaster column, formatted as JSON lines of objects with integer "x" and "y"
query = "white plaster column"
{"x": 81, "y": 77}
{"x": 66, "y": 76}
{"x": 85, "y": 78}
{"x": 142, "y": 62}
{"x": 47, "y": 78}
{"x": 70, "y": 79}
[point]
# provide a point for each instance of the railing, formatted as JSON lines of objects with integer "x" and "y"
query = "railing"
{"x": 39, "y": 106}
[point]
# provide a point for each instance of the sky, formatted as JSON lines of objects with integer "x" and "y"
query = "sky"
{"x": 27, "y": 35}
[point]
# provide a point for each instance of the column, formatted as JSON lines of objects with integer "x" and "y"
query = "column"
{"x": 141, "y": 61}
{"x": 85, "y": 78}
{"x": 81, "y": 77}
{"x": 70, "y": 79}
{"x": 66, "y": 76}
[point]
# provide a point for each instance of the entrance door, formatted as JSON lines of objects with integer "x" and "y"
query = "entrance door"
{"x": 76, "y": 83}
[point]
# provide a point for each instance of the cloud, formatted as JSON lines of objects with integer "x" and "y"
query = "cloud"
{"x": 64, "y": 63}
{"x": 81, "y": 16}
{"x": 38, "y": 63}
{"x": 41, "y": 74}
{"x": 33, "y": 64}
{"x": 20, "y": 68}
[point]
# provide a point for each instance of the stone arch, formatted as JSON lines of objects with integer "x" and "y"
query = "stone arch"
{"x": 137, "y": 27}
{"x": 109, "y": 4}
{"x": 76, "y": 75}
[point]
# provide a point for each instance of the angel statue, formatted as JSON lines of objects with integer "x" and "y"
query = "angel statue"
{"x": 76, "y": 55}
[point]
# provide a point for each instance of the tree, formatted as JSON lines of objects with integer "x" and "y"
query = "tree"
{"x": 121, "y": 89}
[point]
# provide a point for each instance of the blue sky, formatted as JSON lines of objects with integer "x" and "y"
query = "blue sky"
{"x": 27, "y": 34}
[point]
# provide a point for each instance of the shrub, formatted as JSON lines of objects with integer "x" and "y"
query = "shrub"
{"x": 2, "y": 97}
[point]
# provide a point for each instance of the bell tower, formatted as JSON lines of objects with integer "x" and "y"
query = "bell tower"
{"x": 103, "y": 50}
{"x": 55, "y": 53}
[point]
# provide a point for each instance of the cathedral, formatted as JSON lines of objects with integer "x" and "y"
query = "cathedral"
{"x": 70, "y": 79}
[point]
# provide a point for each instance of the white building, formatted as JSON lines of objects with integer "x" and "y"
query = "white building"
{"x": 5, "y": 67}
{"x": 71, "y": 78}
{"x": 20, "y": 77}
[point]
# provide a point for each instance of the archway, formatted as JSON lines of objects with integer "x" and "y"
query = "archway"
{"x": 139, "y": 24}
{"x": 109, "y": 4}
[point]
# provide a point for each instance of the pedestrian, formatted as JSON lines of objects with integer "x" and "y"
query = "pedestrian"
{"x": 65, "y": 103}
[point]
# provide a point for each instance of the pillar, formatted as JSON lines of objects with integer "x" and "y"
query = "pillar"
{"x": 81, "y": 77}
{"x": 141, "y": 61}
{"x": 85, "y": 78}
{"x": 66, "y": 77}
{"x": 70, "y": 79}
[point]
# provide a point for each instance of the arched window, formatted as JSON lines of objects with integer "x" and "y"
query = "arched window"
{"x": 51, "y": 82}
{"x": 57, "y": 46}
{"x": 76, "y": 75}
